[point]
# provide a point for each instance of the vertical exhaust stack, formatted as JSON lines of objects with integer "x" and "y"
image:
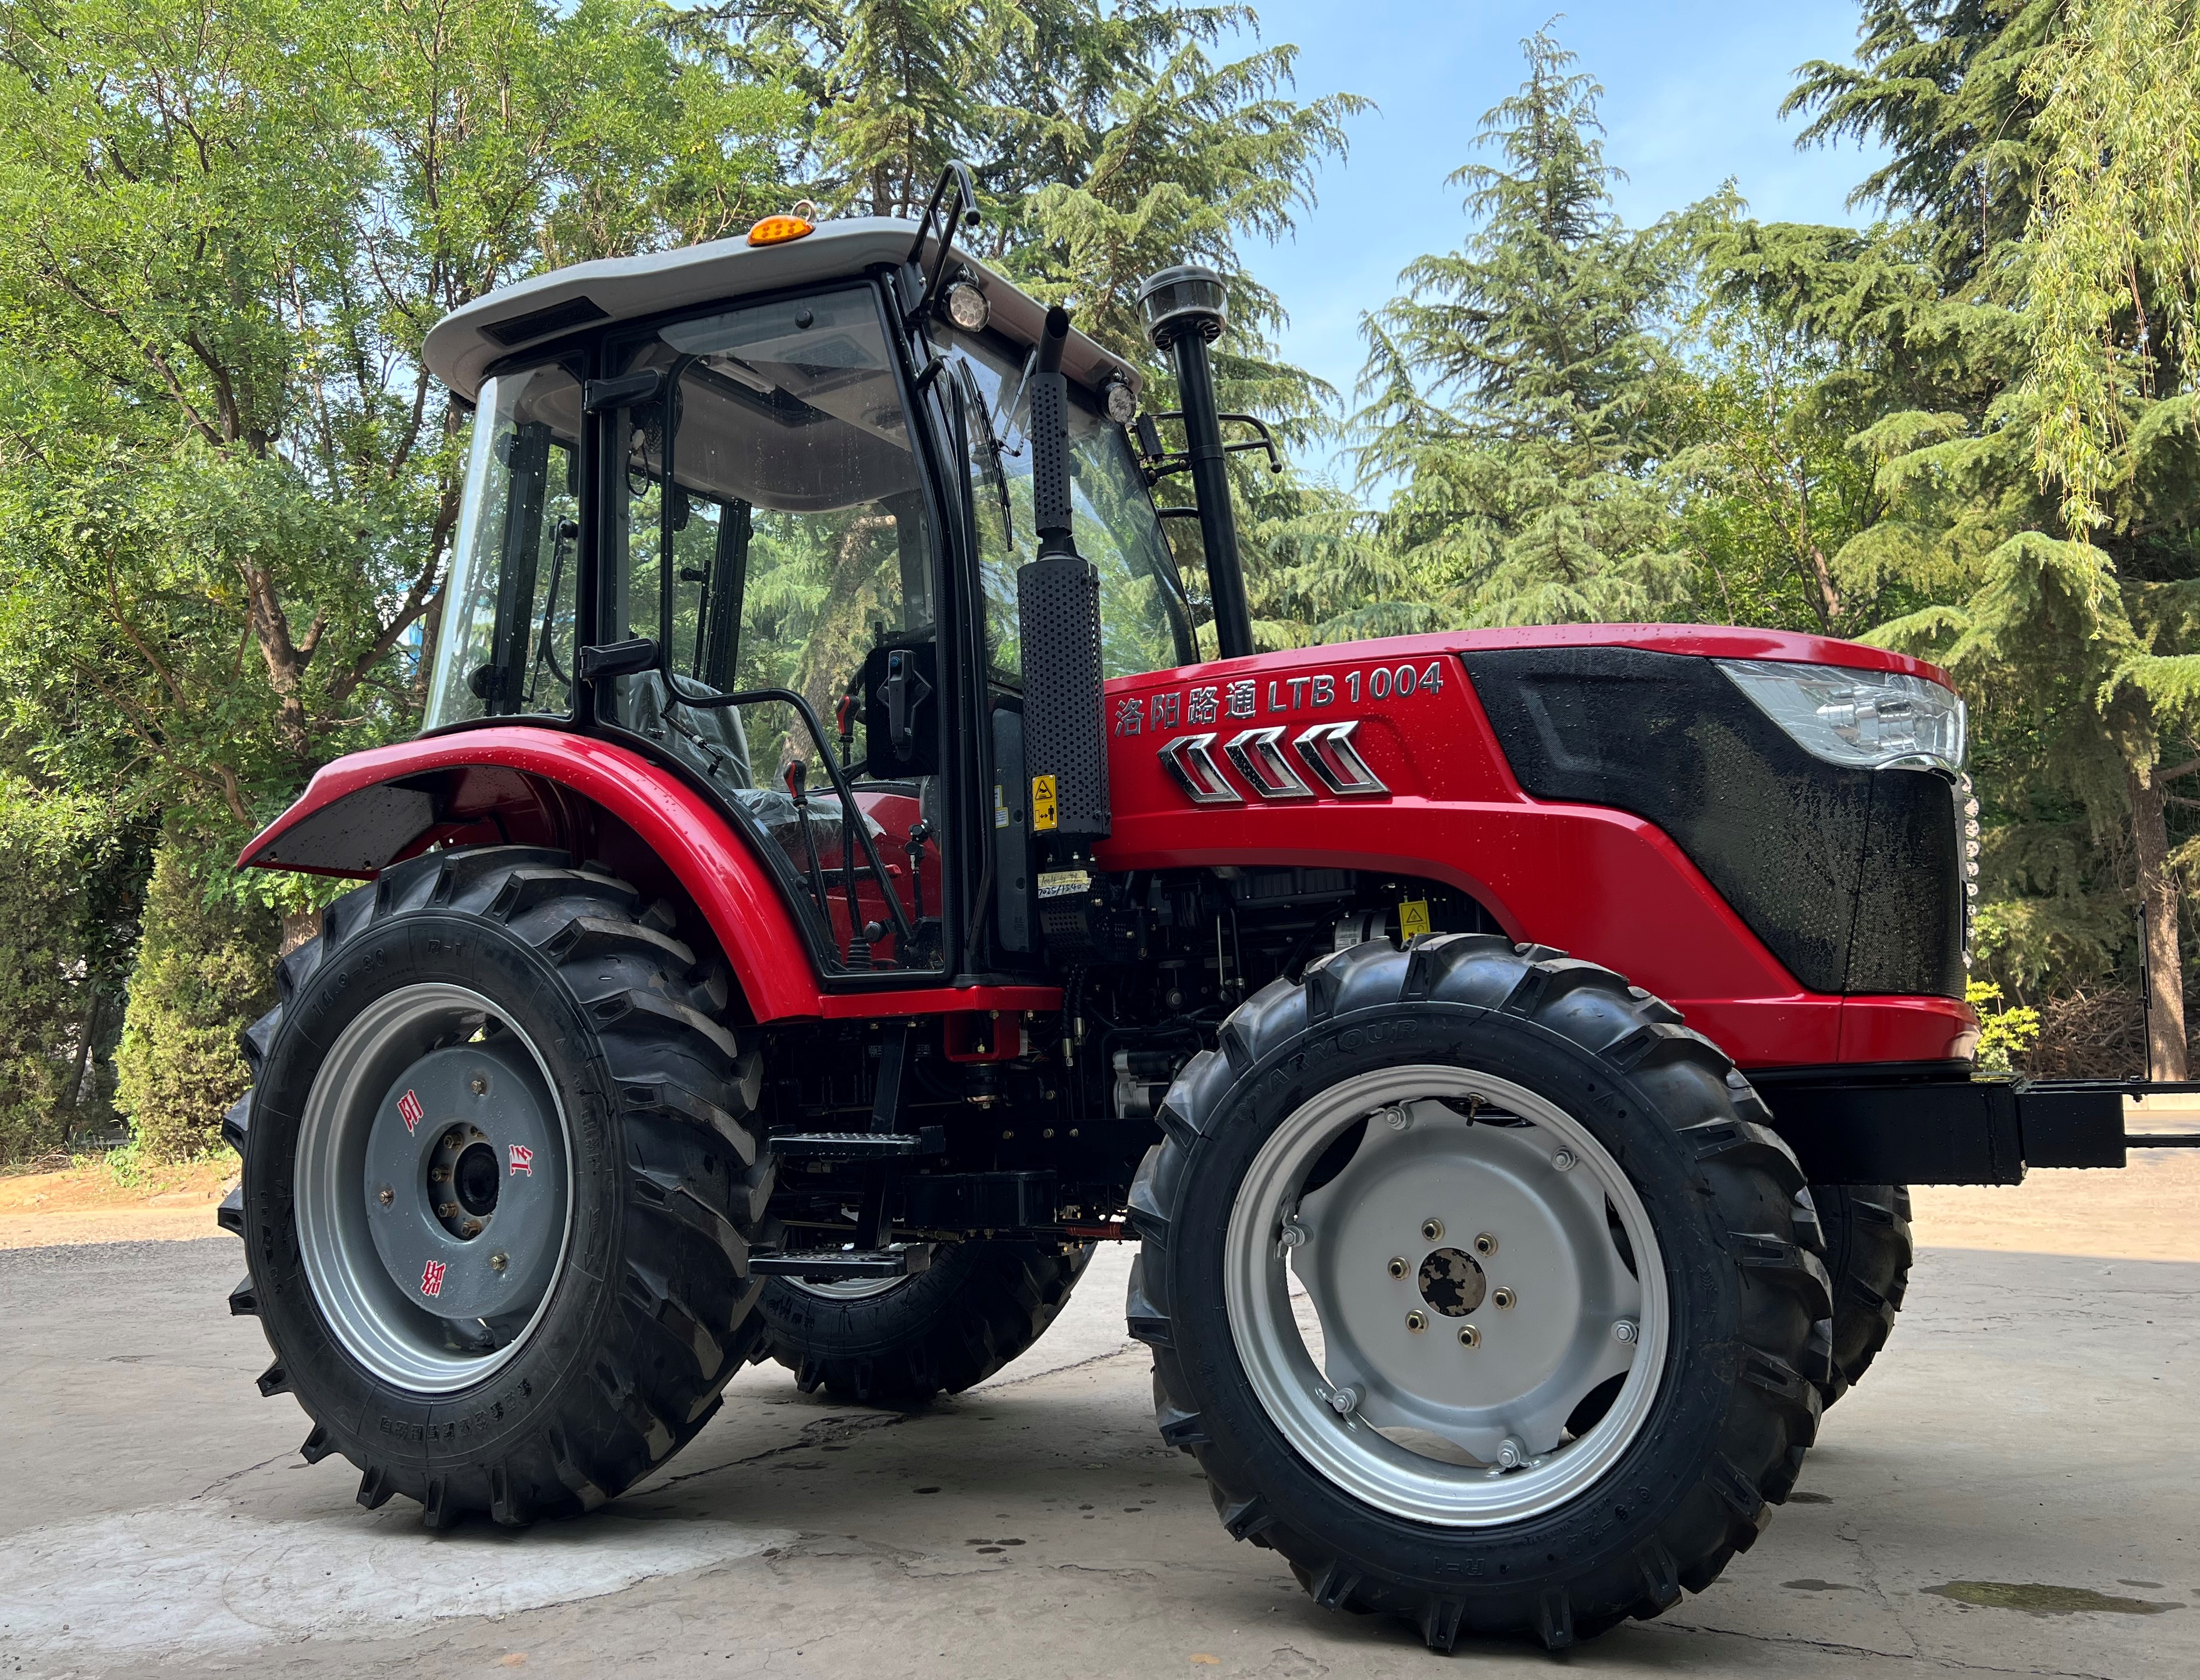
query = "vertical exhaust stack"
{"x": 1058, "y": 622}
{"x": 1185, "y": 310}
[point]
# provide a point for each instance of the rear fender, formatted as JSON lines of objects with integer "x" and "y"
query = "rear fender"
{"x": 520, "y": 786}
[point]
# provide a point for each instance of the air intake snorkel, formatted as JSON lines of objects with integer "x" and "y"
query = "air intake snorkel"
{"x": 1058, "y": 623}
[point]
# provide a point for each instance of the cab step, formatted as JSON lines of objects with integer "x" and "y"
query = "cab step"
{"x": 858, "y": 1146}
{"x": 824, "y": 1265}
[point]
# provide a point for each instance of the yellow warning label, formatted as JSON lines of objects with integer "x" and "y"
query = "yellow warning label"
{"x": 1413, "y": 918}
{"x": 1042, "y": 812}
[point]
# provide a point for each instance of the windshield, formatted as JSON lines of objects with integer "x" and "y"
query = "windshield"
{"x": 1144, "y": 624}
{"x": 505, "y": 645}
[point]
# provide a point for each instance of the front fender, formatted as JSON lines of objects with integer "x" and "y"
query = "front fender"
{"x": 370, "y": 809}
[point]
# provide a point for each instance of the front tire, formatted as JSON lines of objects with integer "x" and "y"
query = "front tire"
{"x": 978, "y": 1305}
{"x": 499, "y": 1186}
{"x": 1464, "y": 1462}
{"x": 1868, "y": 1253}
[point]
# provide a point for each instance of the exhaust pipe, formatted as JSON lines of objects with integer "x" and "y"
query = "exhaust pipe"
{"x": 1185, "y": 310}
{"x": 1058, "y": 623}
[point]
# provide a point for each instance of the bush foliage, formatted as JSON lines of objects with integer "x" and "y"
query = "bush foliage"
{"x": 204, "y": 973}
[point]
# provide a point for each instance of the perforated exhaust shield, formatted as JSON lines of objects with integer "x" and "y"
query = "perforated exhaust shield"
{"x": 1058, "y": 620}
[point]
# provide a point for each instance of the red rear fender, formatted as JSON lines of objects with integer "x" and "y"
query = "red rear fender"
{"x": 545, "y": 787}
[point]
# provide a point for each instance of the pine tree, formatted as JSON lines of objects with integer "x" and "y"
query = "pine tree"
{"x": 1518, "y": 386}
{"x": 2067, "y": 637}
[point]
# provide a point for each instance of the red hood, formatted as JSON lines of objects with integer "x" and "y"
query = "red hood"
{"x": 1711, "y": 641}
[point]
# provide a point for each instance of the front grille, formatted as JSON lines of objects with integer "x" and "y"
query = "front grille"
{"x": 1853, "y": 878}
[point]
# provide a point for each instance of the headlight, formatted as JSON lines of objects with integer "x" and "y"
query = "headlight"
{"x": 1868, "y": 719}
{"x": 964, "y": 304}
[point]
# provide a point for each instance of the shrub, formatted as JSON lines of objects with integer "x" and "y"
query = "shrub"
{"x": 68, "y": 907}
{"x": 204, "y": 972}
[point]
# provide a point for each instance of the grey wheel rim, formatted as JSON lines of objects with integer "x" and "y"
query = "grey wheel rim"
{"x": 1462, "y": 1293}
{"x": 433, "y": 1191}
{"x": 845, "y": 1289}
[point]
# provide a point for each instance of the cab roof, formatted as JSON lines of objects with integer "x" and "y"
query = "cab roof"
{"x": 461, "y": 347}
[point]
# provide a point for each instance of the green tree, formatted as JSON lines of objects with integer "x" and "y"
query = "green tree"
{"x": 1519, "y": 387}
{"x": 228, "y": 485}
{"x": 2068, "y": 637}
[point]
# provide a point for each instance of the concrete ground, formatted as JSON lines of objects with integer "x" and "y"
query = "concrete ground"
{"x": 2016, "y": 1488}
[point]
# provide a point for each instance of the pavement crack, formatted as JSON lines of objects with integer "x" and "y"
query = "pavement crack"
{"x": 1061, "y": 1370}
{"x": 237, "y": 1475}
{"x": 818, "y": 1433}
{"x": 1839, "y": 1648}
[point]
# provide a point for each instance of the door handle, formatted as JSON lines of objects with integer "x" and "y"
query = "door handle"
{"x": 905, "y": 690}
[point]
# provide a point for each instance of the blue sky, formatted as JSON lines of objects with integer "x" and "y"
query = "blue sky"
{"x": 1691, "y": 95}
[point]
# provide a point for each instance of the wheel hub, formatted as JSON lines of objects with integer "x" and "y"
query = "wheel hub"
{"x": 433, "y": 1193}
{"x": 1451, "y": 1356}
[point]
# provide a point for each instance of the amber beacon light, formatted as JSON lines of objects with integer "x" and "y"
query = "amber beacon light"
{"x": 778, "y": 230}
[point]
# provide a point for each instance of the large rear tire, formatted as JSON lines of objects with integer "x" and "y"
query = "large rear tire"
{"x": 499, "y": 1186}
{"x": 1549, "y": 1463}
{"x": 978, "y": 1306}
{"x": 1869, "y": 1253}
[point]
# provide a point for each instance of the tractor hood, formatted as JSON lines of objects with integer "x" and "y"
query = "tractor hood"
{"x": 461, "y": 348}
{"x": 1826, "y": 848}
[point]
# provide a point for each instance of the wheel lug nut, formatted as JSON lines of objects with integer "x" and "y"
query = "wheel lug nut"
{"x": 1511, "y": 1453}
{"x": 1431, "y": 1230}
{"x": 497, "y": 1262}
{"x": 1503, "y": 1299}
{"x": 1485, "y": 1245}
{"x": 1417, "y": 1321}
{"x": 480, "y": 1086}
{"x": 1469, "y": 1336}
{"x": 1396, "y": 1118}
{"x": 1344, "y": 1401}
{"x": 1397, "y": 1266}
{"x": 1564, "y": 1160}
{"x": 1291, "y": 1235}
{"x": 1624, "y": 1330}
{"x": 387, "y": 1196}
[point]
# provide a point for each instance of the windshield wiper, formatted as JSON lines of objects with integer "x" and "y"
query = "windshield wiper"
{"x": 969, "y": 396}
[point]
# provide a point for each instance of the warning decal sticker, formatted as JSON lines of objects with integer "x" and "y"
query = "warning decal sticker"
{"x": 410, "y": 1111}
{"x": 522, "y": 1160}
{"x": 431, "y": 1279}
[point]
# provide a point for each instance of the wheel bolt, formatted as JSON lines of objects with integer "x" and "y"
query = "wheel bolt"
{"x": 387, "y": 1195}
{"x": 1564, "y": 1160}
{"x": 497, "y": 1262}
{"x": 1503, "y": 1299}
{"x": 480, "y": 1086}
{"x": 1396, "y": 1118}
{"x": 1469, "y": 1336}
{"x": 473, "y": 1228}
{"x": 1417, "y": 1321}
{"x": 1485, "y": 1245}
{"x": 1343, "y": 1401}
{"x": 1292, "y": 1233}
{"x": 1624, "y": 1330}
{"x": 1511, "y": 1453}
{"x": 1431, "y": 1230}
{"x": 1397, "y": 1266}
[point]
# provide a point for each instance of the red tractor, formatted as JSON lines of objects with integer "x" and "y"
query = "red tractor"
{"x": 831, "y": 893}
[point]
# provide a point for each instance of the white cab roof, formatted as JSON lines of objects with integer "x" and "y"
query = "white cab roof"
{"x": 461, "y": 346}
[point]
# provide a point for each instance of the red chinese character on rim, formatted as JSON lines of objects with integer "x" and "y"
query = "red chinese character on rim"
{"x": 410, "y": 1111}
{"x": 431, "y": 1279}
{"x": 523, "y": 1159}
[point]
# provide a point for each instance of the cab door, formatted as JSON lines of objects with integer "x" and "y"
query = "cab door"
{"x": 767, "y": 524}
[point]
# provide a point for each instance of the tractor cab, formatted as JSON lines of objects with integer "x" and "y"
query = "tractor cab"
{"x": 756, "y": 509}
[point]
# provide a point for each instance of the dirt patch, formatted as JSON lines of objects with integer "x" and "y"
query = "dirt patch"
{"x": 90, "y": 1203}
